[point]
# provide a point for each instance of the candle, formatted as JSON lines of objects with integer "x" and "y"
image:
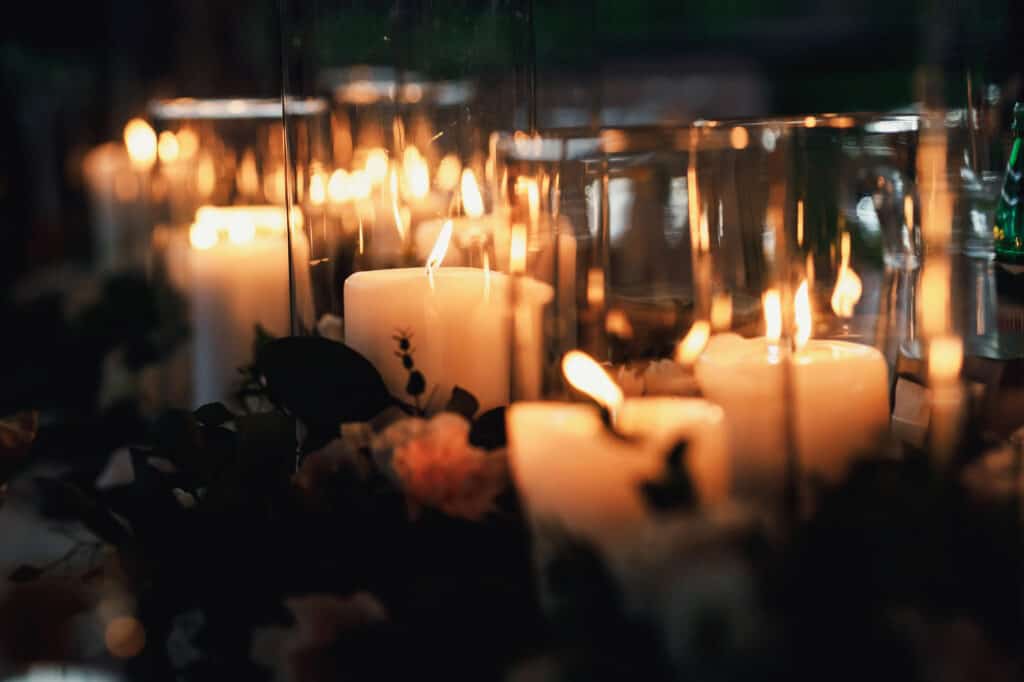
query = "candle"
{"x": 233, "y": 266}
{"x": 453, "y": 324}
{"x": 573, "y": 471}
{"x": 839, "y": 398}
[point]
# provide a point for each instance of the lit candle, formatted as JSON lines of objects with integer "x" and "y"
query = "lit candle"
{"x": 839, "y": 398}
{"x": 234, "y": 269}
{"x": 449, "y": 325}
{"x": 573, "y": 471}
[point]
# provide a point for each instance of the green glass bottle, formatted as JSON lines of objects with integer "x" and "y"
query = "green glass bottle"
{"x": 1008, "y": 229}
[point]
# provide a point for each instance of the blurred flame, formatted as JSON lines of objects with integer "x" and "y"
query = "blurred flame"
{"x": 274, "y": 186}
{"x": 167, "y": 147}
{"x": 417, "y": 174}
{"x": 248, "y": 178}
{"x": 772, "y": 304}
{"x": 617, "y": 324}
{"x": 206, "y": 176}
{"x": 239, "y": 223}
{"x": 933, "y": 298}
{"x": 437, "y": 254}
{"x": 448, "y": 173}
{"x": 692, "y": 203}
{"x": 848, "y": 285}
{"x": 376, "y": 165}
{"x": 188, "y": 143}
{"x": 945, "y": 358}
{"x": 586, "y": 376}
{"x": 800, "y": 222}
{"x": 399, "y": 223}
{"x": 472, "y": 201}
{"x": 595, "y": 287}
{"x": 517, "y": 250}
{"x": 202, "y": 236}
{"x": 531, "y": 189}
{"x": 721, "y": 312}
{"x": 802, "y": 315}
{"x": 810, "y": 122}
{"x": 241, "y": 230}
{"x": 140, "y": 141}
{"x": 693, "y": 343}
{"x": 338, "y": 189}
{"x": 739, "y": 138}
{"x": 317, "y": 189}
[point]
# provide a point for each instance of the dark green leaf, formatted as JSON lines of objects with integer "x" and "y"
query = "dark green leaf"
{"x": 322, "y": 382}
{"x": 488, "y": 431}
{"x": 462, "y": 402}
{"x": 674, "y": 491}
{"x": 25, "y": 573}
{"x": 214, "y": 414}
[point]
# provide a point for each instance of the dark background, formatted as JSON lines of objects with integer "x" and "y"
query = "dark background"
{"x": 72, "y": 72}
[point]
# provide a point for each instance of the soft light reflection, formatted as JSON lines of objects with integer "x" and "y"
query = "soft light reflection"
{"x": 739, "y": 138}
{"x": 437, "y": 254}
{"x": 487, "y": 278}
{"x": 802, "y": 315}
{"x": 934, "y": 298}
{"x": 721, "y": 312}
{"x": 595, "y": 287}
{"x": 140, "y": 140}
{"x": 617, "y": 324}
{"x": 810, "y": 122}
{"x": 472, "y": 201}
{"x": 202, "y": 236}
{"x": 125, "y": 637}
{"x": 376, "y": 165}
{"x": 771, "y": 301}
{"x": 338, "y": 186}
{"x": 848, "y": 285}
{"x": 692, "y": 345}
{"x": 248, "y": 177}
{"x": 517, "y": 250}
{"x": 206, "y": 176}
{"x": 586, "y": 376}
{"x": 945, "y": 358}
{"x": 396, "y": 212}
{"x": 238, "y": 224}
{"x": 448, "y": 173}
{"x": 188, "y": 143}
{"x": 317, "y": 189}
{"x": 416, "y": 172}
{"x": 167, "y": 147}
{"x": 800, "y": 222}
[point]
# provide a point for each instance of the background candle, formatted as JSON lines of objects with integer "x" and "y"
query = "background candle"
{"x": 572, "y": 471}
{"x": 840, "y": 403}
{"x": 457, "y": 328}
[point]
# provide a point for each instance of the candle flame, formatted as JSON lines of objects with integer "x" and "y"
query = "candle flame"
{"x": 240, "y": 224}
{"x": 399, "y": 223}
{"x": 188, "y": 143}
{"x": 248, "y": 178}
{"x": 802, "y": 315}
{"x": 140, "y": 139}
{"x": 945, "y": 358}
{"x": 595, "y": 287}
{"x": 517, "y": 250}
{"x": 692, "y": 345}
{"x": 848, "y": 285}
{"x": 376, "y": 165}
{"x": 721, "y": 312}
{"x": 586, "y": 376}
{"x": 167, "y": 147}
{"x": 437, "y": 254}
{"x": 617, "y": 324}
{"x": 416, "y": 172}
{"x": 472, "y": 201}
{"x": 772, "y": 304}
{"x": 800, "y": 222}
{"x": 317, "y": 189}
{"x": 448, "y": 173}
{"x": 338, "y": 186}
{"x": 531, "y": 188}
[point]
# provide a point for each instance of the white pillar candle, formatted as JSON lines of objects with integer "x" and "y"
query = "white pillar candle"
{"x": 457, "y": 324}
{"x": 573, "y": 471}
{"x": 839, "y": 402}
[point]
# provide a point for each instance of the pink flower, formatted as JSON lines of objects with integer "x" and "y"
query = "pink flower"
{"x": 439, "y": 468}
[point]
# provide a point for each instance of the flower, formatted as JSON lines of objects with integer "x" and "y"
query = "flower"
{"x": 437, "y": 467}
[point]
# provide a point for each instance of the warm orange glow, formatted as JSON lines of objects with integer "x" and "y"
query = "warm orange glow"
{"x": 945, "y": 358}
{"x": 802, "y": 316}
{"x": 239, "y": 224}
{"x": 810, "y": 122}
{"x": 595, "y": 287}
{"x": 376, "y": 165}
{"x": 908, "y": 211}
{"x": 848, "y": 285}
{"x": 338, "y": 186}
{"x": 206, "y": 176}
{"x": 274, "y": 186}
{"x": 317, "y": 189}
{"x": 586, "y": 376}
{"x": 126, "y": 186}
{"x": 487, "y": 277}
{"x": 933, "y": 298}
{"x": 739, "y": 138}
{"x": 437, "y": 254}
{"x": 448, "y": 173}
{"x": 188, "y": 143}
{"x": 531, "y": 189}
{"x": 721, "y": 312}
{"x": 517, "y": 250}
{"x": 359, "y": 185}
{"x": 167, "y": 147}
{"x": 472, "y": 201}
{"x": 617, "y": 324}
{"x": 399, "y": 223}
{"x": 125, "y": 637}
{"x": 416, "y": 173}
{"x": 800, "y": 222}
{"x": 140, "y": 141}
{"x": 202, "y": 236}
{"x": 248, "y": 177}
{"x": 693, "y": 206}
{"x": 241, "y": 230}
{"x": 692, "y": 345}
{"x": 772, "y": 304}
{"x": 704, "y": 236}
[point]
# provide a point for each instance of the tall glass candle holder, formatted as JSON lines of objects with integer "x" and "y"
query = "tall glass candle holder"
{"x": 222, "y": 246}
